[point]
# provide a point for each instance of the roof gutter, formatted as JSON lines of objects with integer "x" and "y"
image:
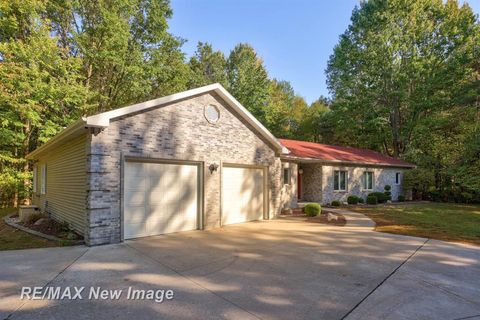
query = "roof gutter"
{"x": 64, "y": 135}
{"x": 315, "y": 160}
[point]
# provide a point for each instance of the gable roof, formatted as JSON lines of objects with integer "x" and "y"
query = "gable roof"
{"x": 328, "y": 153}
{"x": 102, "y": 120}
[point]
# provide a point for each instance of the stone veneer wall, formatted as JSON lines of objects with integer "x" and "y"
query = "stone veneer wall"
{"x": 311, "y": 182}
{"x": 382, "y": 177}
{"x": 288, "y": 192}
{"x": 176, "y": 131}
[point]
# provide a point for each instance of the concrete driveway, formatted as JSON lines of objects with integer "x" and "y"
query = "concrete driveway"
{"x": 280, "y": 269}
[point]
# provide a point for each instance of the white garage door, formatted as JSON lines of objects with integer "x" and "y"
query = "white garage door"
{"x": 242, "y": 195}
{"x": 159, "y": 198}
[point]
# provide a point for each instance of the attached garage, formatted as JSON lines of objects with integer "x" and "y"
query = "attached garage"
{"x": 160, "y": 166}
{"x": 243, "y": 194}
{"x": 160, "y": 198}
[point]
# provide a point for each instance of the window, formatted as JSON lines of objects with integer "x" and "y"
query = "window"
{"x": 43, "y": 179}
{"x": 212, "y": 114}
{"x": 286, "y": 175}
{"x": 34, "y": 184}
{"x": 340, "y": 180}
{"x": 397, "y": 178}
{"x": 368, "y": 180}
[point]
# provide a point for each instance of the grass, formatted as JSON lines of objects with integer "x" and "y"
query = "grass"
{"x": 13, "y": 239}
{"x": 442, "y": 221}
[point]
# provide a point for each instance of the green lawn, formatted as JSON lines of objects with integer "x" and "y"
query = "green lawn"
{"x": 443, "y": 221}
{"x": 13, "y": 239}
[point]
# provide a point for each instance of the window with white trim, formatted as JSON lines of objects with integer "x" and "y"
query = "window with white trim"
{"x": 35, "y": 177}
{"x": 43, "y": 179}
{"x": 368, "y": 180}
{"x": 286, "y": 176}
{"x": 340, "y": 180}
{"x": 397, "y": 178}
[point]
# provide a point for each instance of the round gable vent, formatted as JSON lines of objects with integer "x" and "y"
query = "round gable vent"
{"x": 212, "y": 114}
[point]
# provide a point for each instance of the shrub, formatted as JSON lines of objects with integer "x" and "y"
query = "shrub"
{"x": 387, "y": 187}
{"x": 401, "y": 198}
{"x": 371, "y": 199}
{"x": 360, "y": 200}
{"x": 336, "y": 203}
{"x": 352, "y": 200}
{"x": 312, "y": 209}
{"x": 381, "y": 197}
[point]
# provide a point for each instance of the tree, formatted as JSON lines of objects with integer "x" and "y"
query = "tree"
{"x": 398, "y": 62}
{"x": 314, "y": 126}
{"x": 405, "y": 81}
{"x": 278, "y": 111}
{"x": 41, "y": 91}
{"x": 248, "y": 79}
{"x": 127, "y": 53}
{"x": 207, "y": 67}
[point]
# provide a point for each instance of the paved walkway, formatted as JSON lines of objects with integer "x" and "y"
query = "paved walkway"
{"x": 354, "y": 219}
{"x": 279, "y": 269}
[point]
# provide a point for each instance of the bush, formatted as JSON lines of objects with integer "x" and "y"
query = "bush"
{"x": 312, "y": 209}
{"x": 371, "y": 199}
{"x": 387, "y": 187}
{"x": 381, "y": 197}
{"x": 352, "y": 200}
{"x": 401, "y": 198}
{"x": 360, "y": 200}
{"x": 336, "y": 203}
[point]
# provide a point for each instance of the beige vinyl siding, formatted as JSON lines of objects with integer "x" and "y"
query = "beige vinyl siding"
{"x": 66, "y": 168}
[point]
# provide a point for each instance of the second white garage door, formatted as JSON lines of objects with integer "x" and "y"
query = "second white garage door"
{"x": 242, "y": 194}
{"x": 159, "y": 198}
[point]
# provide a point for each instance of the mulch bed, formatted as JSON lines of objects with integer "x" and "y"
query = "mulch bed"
{"x": 52, "y": 228}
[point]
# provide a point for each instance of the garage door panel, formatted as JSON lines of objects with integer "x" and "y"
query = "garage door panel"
{"x": 135, "y": 197}
{"x": 242, "y": 195}
{"x": 136, "y": 214}
{"x": 135, "y": 230}
{"x": 166, "y": 195}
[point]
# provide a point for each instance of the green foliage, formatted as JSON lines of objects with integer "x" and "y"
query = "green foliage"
{"x": 207, "y": 67}
{"x": 353, "y": 199}
{"x": 335, "y": 203}
{"x": 312, "y": 209}
{"x": 404, "y": 80}
{"x": 248, "y": 79}
{"x": 401, "y": 198}
{"x": 387, "y": 187}
{"x": 361, "y": 200}
{"x": 381, "y": 197}
{"x": 372, "y": 199}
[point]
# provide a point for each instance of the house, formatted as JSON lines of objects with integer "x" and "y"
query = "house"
{"x": 192, "y": 160}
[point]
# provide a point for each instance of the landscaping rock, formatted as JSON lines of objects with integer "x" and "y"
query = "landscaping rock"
{"x": 331, "y": 216}
{"x": 40, "y": 221}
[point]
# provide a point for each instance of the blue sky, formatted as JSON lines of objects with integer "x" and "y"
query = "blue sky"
{"x": 294, "y": 38}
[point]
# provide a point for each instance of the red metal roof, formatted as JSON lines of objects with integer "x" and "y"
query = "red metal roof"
{"x": 311, "y": 150}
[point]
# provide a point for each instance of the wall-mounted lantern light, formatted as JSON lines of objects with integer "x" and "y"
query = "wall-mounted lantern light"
{"x": 213, "y": 167}
{"x": 300, "y": 171}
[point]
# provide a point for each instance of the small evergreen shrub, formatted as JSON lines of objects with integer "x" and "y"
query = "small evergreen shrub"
{"x": 352, "y": 200}
{"x": 401, "y": 198}
{"x": 388, "y": 193}
{"x": 381, "y": 197}
{"x": 336, "y": 203}
{"x": 360, "y": 200}
{"x": 371, "y": 199}
{"x": 312, "y": 209}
